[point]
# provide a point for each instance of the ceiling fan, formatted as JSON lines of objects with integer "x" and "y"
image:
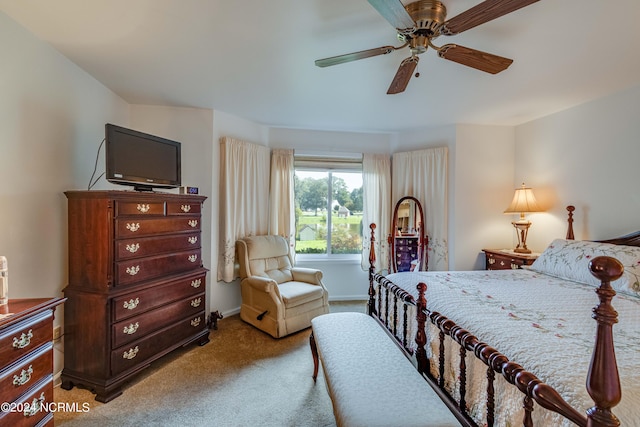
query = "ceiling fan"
{"x": 420, "y": 22}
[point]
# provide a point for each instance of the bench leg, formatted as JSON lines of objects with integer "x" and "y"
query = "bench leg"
{"x": 314, "y": 353}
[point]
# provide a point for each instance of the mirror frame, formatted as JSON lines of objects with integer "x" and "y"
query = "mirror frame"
{"x": 421, "y": 256}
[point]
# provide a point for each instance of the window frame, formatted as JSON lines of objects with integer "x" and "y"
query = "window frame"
{"x": 329, "y": 165}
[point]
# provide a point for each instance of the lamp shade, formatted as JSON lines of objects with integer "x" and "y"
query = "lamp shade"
{"x": 523, "y": 201}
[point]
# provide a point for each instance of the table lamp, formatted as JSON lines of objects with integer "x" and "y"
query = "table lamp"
{"x": 523, "y": 202}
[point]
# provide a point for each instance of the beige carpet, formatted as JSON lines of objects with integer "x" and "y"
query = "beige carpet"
{"x": 243, "y": 378}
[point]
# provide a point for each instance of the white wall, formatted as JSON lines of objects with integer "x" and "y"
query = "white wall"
{"x": 193, "y": 128}
{"x": 330, "y": 142}
{"x": 52, "y": 117}
{"x": 483, "y": 177}
{"x": 586, "y": 156}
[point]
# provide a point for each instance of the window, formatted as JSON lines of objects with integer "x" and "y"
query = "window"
{"x": 328, "y": 197}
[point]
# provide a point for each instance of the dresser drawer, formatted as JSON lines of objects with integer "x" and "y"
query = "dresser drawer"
{"x": 132, "y": 355}
{"x": 30, "y": 406}
{"x": 136, "y": 327}
{"x": 25, "y": 336}
{"x": 413, "y": 249}
{"x": 504, "y": 260}
{"x": 127, "y": 228}
{"x": 138, "y": 302}
{"x": 146, "y": 246}
{"x": 174, "y": 208}
{"x": 135, "y": 208}
{"x": 19, "y": 377}
{"x": 141, "y": 269}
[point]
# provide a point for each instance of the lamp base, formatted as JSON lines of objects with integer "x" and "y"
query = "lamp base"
{"x": 522, "y": 250}
{"x": 522, "y": 229}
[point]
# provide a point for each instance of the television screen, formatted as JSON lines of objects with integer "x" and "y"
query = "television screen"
{"x": 141, "y": 160}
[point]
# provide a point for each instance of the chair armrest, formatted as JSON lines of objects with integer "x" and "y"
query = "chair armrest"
{"x": 309, "y": 275}
{"x": 263, "y": 284}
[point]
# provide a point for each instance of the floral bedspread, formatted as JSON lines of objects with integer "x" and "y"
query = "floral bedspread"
{"x": 542, "y": 323}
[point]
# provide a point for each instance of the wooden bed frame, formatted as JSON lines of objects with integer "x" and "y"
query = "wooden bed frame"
{"x": 602, "y": 383}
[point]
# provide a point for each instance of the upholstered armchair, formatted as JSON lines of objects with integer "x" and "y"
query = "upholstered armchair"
{"x": 277, "y": 297}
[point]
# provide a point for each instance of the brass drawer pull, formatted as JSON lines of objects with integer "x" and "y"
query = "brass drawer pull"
{"x": 196, "y": 283}
{"x": 24, "y": 340}
{"x": 195, "y": 322}
{"x": 133, "y": 248}
{"x": 144, "y": 208}
{"x": 133, "y": 227}
{"x": 193, "y": 223}
{"x": 34, "y": 408}
{"x": 192, "y": 258}
{"x": 185, "y": 208}
{"x": 132, "y": 271}
{"x": 131, "y": 329}
{"x": 193, "y": 240}
{"x": 131, "y": 304}
{"x": 24, "y": 377}
{"x": 196, "y": 302}
{"x": 131, "y": 353}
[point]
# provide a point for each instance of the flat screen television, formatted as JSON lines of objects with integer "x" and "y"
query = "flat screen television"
{"x": 141, "y": 160}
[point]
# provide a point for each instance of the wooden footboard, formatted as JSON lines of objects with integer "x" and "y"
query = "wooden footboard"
{"x": 603, "y": 384}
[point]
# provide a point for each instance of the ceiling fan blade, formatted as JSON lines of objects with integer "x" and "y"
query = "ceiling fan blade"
{"x": 395, "y": 13}
{"x": 474, "y": 58}
{"x": 484, "y": 12}
{"x": 403, "y": 75}
{"x": 348, "y": 57}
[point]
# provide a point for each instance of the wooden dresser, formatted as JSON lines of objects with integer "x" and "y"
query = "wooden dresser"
{"x": 136, "y": 285}
{"x": 505, "y": 259}
{"x": 406, "y": 253}
{"x": 26, "y": 361}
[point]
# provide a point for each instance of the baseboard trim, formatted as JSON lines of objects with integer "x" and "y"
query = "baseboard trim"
{"x": 349, "y": 298}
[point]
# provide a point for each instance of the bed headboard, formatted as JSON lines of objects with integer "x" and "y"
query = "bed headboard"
{"x": 632, "y": 239}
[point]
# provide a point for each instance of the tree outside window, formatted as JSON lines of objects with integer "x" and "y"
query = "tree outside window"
{"x": 328, "y": 225}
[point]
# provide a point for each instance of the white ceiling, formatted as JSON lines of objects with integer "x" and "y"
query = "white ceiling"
{"x": 255, "y": 59}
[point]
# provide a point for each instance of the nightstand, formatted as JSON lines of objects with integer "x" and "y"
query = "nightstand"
{"x": 505, "y": 259}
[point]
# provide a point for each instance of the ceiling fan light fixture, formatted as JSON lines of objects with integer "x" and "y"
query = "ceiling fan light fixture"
{"x": 419, "y": 44}
{"x": 429, "y": 15}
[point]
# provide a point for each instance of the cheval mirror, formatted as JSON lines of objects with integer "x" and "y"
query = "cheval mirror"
{"x": 407, "y": 241}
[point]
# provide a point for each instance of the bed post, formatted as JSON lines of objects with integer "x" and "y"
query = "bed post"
{"x": 371, "y": 307}
{"x": 603, "y": 380}
{"x": 421, "y": 333}
{"x": 570, "y": 209}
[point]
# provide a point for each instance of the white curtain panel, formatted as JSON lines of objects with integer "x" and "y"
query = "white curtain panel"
{"x": 282, "y": 206}
{"x": 423, "y": 175}
{"x": 244, "y": 187}
{"x": 376, "y": 189}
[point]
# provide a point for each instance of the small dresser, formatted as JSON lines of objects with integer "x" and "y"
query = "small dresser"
{"x": 406, "y": 253}
{"x": 26, "y": 361}
{"x": 505, "y": 259}
{"x": 136, "y": 285}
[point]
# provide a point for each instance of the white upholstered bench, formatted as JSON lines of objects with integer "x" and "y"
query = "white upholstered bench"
{"x": 370, "y": 382}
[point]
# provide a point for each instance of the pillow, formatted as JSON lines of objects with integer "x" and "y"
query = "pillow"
{"x": 569, "y": 260}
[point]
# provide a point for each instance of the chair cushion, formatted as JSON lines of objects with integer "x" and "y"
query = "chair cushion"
{"x": 269, "y": 257}
{"x": 296, "y": 293}
{"x": 278, "y": 269}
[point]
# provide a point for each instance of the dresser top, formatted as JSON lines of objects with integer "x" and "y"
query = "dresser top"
{"x": 130, "y": 195}
{"x": 18, "y": 309}
{"x": 512, "y": 253}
